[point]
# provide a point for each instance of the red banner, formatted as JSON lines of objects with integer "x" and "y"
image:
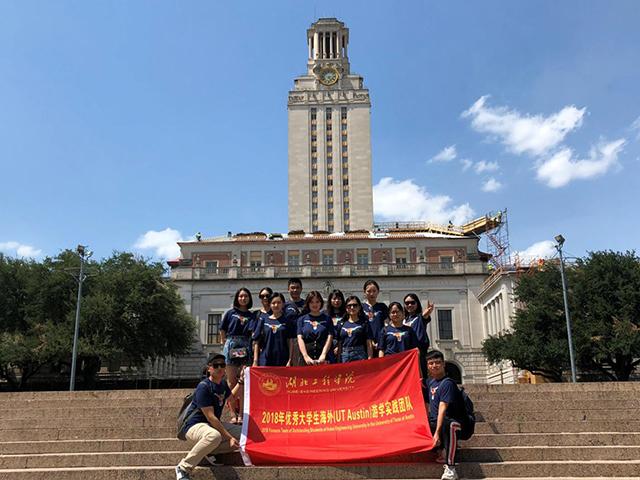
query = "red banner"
{"x": 334, "y": 413}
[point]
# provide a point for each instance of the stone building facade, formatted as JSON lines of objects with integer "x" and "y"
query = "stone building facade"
{"x": 330, "y": 184}
{"x": 447, "y": 270}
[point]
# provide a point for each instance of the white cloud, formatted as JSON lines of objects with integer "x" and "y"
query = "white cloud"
{"x": 532, "y": 134}
{"x": 491, "y": 185}
{"x": 561, "y": 168}
{"x": 164, "y": 243}
{"x": 404, "y": 200}
{"x": 636, "y": 126}
{"x": 483, "y": 166}
{"x": 543, "y": 249}
{"x": 446, "y": 154}
{"x": 466, "y": 164}
{"x": 19, "y": 249}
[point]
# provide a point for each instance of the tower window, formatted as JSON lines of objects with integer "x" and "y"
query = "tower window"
{"x": 343, "y": 113}
{"x": 328, "y": 113}
{"x": 314, "y": 115}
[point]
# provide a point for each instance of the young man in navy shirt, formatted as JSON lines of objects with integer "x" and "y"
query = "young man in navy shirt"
{"x": 448, "y": 418}
{"x": 292, "y": 310}
{"x": 204, "y": 427}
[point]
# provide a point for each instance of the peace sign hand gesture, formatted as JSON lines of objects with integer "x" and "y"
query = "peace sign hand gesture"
{"x": 428, "y": 311}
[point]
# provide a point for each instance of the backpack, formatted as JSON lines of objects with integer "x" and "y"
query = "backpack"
{"x": 185, "y": 414}
{"x": 468, "y": 406}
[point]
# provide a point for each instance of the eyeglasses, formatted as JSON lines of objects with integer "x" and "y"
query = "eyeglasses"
{"x": 410, "y": 302}
{"x": 218, "y": 365}
{"x": 352, "y": 305}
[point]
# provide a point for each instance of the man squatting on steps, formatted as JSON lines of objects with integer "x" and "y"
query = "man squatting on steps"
{"x": 448, "y": 418}
{"x": 205, "y": 428}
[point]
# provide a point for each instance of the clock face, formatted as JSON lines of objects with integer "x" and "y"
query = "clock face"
{"x": 328, "y": 76}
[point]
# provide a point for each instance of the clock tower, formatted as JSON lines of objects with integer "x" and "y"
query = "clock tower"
{"x": 329, "y": 138}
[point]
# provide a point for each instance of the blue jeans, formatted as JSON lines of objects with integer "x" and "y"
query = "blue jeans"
{"x": 351, "y": 354}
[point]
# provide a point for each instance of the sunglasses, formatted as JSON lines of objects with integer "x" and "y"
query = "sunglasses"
{"x": 410, "y": 302}
{"x": 218, "y": 365}
{"x": 352, "y": 305}
{"x": 264, "y": 296}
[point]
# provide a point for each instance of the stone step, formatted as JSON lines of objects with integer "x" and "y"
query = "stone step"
{"x": 24, "y": 434}
{"x": 43, "y": 403}
{"x": 539, "y": 453}
{"x": 473, "y": 454}
{"x": 566, "y": 396}
{"x": 554, "y": 387}
{"x": 563, "y": 469}
{"x": 542, "y": 405}
{"x": 555, "y": 415}
{"x": 553, "y": 439}
{"x": 558, "y": 426}
{"x": 90, "y": 412}
{"x": 97, "y": 422}
{"x": 102, "y": 445}
{"x": 96, "y": 395}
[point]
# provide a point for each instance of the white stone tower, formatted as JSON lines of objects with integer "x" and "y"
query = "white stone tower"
{"x": 329, "y": 138}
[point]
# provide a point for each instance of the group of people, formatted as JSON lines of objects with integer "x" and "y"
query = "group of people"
{"x": 296, "y": 331}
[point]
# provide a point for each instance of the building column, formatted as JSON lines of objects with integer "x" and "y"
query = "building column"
{"x": 310, "y": 49}
{"x": 331, "y": 45}
{"x": 316, "y": 45}
{"x": 339, "y": 38}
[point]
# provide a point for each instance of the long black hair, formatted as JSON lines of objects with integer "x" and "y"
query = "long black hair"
{"x": 236, "y": 304}
{"x": 412, "y": 296}
{"x": 331, "y": 311}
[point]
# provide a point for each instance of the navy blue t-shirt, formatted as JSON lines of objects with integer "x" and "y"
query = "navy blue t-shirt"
{"x": 237, "y": 323}
{"x": 292, "y": 310}
{"x": 352, "y": 334}
{"x": 397, "y": 339}
{"x": 256, "y": 317}
{"x": 208, "y": 394}
{"x": 417, "y": 323}
{"x": 444, "y": 390}
{"x": 273, "y": 337}
{"x": 315, "y": 329}
{"x": 376, "y": 314}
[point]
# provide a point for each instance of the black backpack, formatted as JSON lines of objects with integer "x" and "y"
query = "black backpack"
{"x": 186, "y": 413}
{"x": 468, "y": 406}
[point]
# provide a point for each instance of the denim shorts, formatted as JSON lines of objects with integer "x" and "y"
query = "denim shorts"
{"x": 351, "y": 354}
{"x": 233, "y": 344}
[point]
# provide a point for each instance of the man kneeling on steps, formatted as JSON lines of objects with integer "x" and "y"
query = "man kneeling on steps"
{"x": 448, "y": 417}
{"x": 205, "y": 428}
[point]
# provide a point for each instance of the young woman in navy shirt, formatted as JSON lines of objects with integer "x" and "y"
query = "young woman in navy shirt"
{"x": 354, "y": 333}
{"x": 236, "y": 335}
{"x": 336, "y": 310}
{"x": 418, "y": 319}
{"x": 396, "y": 337}
{"x": 375, "y": 311}
{"x": 265, "y": 307}
{"x": 272, "y": 340}
{"x": 315, "y": 331}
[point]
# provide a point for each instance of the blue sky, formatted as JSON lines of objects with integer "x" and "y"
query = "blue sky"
{"x": 128, "y": 125}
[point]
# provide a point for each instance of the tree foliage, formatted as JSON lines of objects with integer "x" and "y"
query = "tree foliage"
{"x": 604, "y": 302}
{"x": 127, "y": 309}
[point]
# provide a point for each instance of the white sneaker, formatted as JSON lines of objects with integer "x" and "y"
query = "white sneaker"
{"x": 449, "y": 473}
{"x": 181, "y": 474}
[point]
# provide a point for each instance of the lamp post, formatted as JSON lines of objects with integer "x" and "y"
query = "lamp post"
{"x": 84, "y": 255}
{"x": 560, "y": 242}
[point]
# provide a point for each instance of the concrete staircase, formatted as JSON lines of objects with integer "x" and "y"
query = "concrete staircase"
{"x": 524, "y": 431}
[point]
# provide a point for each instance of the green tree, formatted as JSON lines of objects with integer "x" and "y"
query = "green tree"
{"x": 607, "y": 293}
{"x": 537, "y": 340}
{"x": 128, "y": 309}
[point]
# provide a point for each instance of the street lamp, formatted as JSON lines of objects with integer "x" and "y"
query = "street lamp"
{"x": 559, "y": 243}
{"x": 84, "y": 255}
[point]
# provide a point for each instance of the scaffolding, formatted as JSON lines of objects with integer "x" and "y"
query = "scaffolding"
{"x": 497, "y": 240}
